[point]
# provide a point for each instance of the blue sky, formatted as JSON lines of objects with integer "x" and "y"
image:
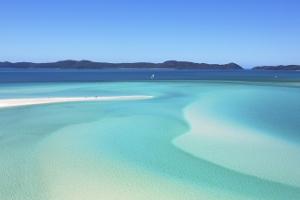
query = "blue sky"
{"x": 249, "y": 32}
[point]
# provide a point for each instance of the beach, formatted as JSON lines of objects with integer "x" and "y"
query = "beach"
{"x": 49, "y": 100}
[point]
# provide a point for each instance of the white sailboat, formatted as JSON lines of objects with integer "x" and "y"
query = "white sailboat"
{"x": 152, "y": 76}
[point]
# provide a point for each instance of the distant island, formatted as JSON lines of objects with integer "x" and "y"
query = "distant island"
{"x": 85, "y": 64}
{"x": 279, "y": 67}
{"x": 171, "y": 64}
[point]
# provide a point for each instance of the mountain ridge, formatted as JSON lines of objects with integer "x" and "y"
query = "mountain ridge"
{"x": 170, "y": 64}
{"x": 86, "y": 64}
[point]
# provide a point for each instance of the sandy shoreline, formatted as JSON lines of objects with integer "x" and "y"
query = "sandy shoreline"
{"x": 48, "y": 100}
{"x": 238, "y": 147}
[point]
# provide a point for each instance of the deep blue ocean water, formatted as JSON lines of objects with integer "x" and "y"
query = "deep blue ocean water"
{"x": 12, "y": 75}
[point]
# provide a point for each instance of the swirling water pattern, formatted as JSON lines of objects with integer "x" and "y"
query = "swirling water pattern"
{"x": 194, "y": 140}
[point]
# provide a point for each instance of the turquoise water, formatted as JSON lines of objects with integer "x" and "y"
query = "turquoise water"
{"x": 194, "y": 140}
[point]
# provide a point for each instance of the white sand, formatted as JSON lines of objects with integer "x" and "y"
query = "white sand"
{"x": 35, "y": 101}
{"x": 238, "y": 147}
{"x": 72, "y": 169}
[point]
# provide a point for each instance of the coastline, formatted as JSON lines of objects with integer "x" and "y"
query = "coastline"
{"x": 4, "y": 103}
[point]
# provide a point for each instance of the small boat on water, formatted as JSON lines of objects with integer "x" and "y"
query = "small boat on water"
{"x": 152, "y": 76}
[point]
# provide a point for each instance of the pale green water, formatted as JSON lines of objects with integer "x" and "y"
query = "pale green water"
{"x": 194, "y": 140}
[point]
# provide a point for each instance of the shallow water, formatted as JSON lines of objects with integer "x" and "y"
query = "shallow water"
{"x": 194, "y": 140}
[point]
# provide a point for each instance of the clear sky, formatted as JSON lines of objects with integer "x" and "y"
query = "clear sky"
{"x": 249, "y": 32}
